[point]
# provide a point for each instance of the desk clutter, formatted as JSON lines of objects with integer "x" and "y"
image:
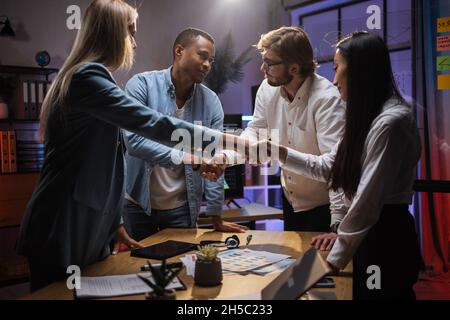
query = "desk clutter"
{"x": 233, "y": 261}
{"x": 241, "y": 261}
{"x": 272, "y": 281}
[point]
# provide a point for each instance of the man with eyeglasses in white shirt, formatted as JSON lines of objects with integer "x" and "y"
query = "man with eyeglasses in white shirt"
{"x": 308, "y": 112}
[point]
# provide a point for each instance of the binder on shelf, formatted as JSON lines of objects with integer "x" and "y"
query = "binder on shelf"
{"x": 19, "y": 101}
{"x": 27, "y": 100}
{"x": 40, "y": 98}
{"x": 12, "y": 153}
{"x": 4, "y": 152}
{"x": 32, "y": 109}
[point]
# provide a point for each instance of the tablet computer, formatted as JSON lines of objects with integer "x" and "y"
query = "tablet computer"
{"x": 164, "y": 250}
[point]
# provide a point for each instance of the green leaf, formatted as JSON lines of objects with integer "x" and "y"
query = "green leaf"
{"x": 226, "y": 67}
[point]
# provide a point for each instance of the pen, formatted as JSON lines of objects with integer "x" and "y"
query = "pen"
{"x": 146, "y": 267}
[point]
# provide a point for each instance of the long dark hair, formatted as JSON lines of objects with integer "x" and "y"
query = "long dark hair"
{"x": 370, "y": 84}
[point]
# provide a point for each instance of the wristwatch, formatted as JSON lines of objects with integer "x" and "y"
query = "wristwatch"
{"x": 334, "y": 227}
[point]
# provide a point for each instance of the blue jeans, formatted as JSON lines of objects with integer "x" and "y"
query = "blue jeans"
{"x": 140, "y": 226}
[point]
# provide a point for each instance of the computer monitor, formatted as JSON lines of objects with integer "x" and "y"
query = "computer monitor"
{"x": 254, "y": 92}
{"x": 233, "y": 176}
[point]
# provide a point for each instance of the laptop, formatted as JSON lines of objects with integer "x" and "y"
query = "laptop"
{"x": 292, "y": 283}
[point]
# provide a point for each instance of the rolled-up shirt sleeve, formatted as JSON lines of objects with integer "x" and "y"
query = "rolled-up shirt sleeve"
{"x": 308, "y": 165}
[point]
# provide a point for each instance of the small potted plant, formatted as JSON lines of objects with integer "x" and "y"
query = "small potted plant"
{"x": 162, "y": 277}
{"x": 227, "y": 67}
{"x": 208, "y": 266}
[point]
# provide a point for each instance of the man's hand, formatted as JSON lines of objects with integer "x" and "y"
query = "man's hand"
{"x": 213, "y": 169}
{"x": 223, "y": 226}
{"x": 123, "y": 237}
{"x": 324, "y": 242}
{"x": 235, "y": 143}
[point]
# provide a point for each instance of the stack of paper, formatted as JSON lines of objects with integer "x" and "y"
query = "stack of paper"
{"x": 114, "y": 286}
{"x": 276, "y": 267}
{"x": 246, "y": 260}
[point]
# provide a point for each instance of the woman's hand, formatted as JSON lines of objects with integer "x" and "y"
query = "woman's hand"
{"x": 324, "y": 242}
{"x": 265, "y": 150}
{"x": 123, "y": 237}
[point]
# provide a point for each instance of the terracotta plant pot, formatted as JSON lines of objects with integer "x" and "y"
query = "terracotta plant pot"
{"x": 208, "y": 273}
{"x": 170, "y": 295}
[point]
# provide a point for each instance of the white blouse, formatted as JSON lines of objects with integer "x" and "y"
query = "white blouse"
{"x": 391, "y": 152}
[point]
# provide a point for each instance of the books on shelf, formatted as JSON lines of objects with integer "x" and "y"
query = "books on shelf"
{"x": 4, "y": 151}
{"x": 12, "y": 161}
{"x": 21, "y": 150}
{"x": 8, "y": 152}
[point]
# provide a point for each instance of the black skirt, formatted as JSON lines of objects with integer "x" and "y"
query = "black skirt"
{"x": 392, "y": 247}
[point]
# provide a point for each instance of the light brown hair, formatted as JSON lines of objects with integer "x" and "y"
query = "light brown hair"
{"x": 104, "y": 37}
{"x": 292, "y": 45}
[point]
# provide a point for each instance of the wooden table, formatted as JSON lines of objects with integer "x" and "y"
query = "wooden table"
{"x": 248, "y": 213}
{"x": 291, "y": 243}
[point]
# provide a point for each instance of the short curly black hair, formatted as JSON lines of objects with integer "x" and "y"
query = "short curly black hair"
{"x": 187, "y": 36}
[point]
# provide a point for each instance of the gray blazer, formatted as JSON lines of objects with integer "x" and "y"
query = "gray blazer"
{"x": 76, "y": 208}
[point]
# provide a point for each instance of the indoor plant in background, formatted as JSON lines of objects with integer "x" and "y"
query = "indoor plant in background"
{"x": 226, "y": 67}
{"x": 161, "y": 277}
{"x": 208, "y": 266}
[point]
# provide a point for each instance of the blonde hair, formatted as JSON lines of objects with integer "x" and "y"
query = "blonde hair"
{"x": 292, "y": 45}
{"x": 104, "y": 37}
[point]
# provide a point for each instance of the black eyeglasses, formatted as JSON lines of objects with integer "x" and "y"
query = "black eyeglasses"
{"x": 267, "y": 65}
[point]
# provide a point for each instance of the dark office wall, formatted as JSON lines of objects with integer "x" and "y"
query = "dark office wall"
{"x": 41, "y": 25}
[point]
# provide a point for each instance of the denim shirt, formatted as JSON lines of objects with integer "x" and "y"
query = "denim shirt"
{"x": 155, "y": 90}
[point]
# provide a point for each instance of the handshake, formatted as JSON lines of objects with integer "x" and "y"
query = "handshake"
{"x": 235, "y": 150}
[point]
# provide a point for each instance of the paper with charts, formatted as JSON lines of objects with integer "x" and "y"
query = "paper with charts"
{"x": 245, "y": 260}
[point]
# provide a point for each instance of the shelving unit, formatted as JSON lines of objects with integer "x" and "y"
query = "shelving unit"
{"x": 263, "y": 189}
{"x": 32, "y": 71}
{"x": 16, "y": 188}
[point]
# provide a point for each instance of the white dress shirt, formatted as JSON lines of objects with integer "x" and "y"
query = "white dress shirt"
{"x": 313, "y": 123}
{"x": 391, "y": 152}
